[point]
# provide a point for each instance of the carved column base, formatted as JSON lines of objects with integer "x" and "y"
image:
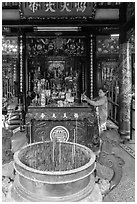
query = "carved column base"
{"x": 110, "y": 160}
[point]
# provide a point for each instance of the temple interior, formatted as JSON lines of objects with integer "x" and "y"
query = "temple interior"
{"x": 68, "y": 101}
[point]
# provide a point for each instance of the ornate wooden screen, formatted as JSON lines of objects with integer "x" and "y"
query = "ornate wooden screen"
{"x": 9, "y": 68}
{"x": 107, "y": 71}
{"x": 57, "y": 52}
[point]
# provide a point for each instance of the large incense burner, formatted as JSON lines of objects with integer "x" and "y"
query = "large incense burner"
{"x": 55, "y": 171}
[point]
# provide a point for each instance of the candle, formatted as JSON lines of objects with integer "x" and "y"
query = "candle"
{"x": 73, "y": 148}
{"x": 76, "y": 132}
{"x": 74, "y": 140}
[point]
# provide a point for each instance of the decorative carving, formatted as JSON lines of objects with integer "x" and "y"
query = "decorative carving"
{"x": 64, "y": 116}
{"x": 115, "y": 163}
{"x": 80, "y": 6}
{"x": 107, "y": 70}
{"x": 9, "y": 46}
{"x": 33, "y": 6}
{"x": 53, "y": 116}
{"x": 9, "y": 77}
{"x": 108, "y": 4}
{"x": 42, "y": 130}
{"x": 50, "y": 46}
{"x": 60, "y": 133}
{"x": 76, "y": 115}
{"x": 109, "y": 159}
{"x": 91, "y": 67}
{"x": 42, "y": 115}
{"x": 45, "y": 114}
{"x": 83, "y": 120}
{"x": 125, "y": 85}
{"x": 21, "y": 62}
{"x": 107, "y": 45}
{"x": 39, "y": 131}
{"x": 11, "y": 5}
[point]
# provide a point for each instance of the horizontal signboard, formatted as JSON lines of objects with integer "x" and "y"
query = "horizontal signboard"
{"x": 56, "y": 9}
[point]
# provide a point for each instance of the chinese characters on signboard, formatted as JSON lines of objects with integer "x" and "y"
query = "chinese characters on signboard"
{"x": 59, "y": 9}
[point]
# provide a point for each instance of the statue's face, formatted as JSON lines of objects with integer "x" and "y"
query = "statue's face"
{"x": 101, "y": 93}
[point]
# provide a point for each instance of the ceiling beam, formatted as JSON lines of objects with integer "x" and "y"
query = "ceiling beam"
{"x": 89, "y": 23}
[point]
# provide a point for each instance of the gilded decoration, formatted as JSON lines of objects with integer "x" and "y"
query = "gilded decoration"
{"x": 56, "y": 64}
{"x": 107, "y": 54}
{"x": 59, "y": 115}
{"x": 57, "y": 46}
{"x": 59, "y": 133}
{"x": 83, "y": 119}
{"x": 9, "y": 46}
{"x": 107, "y": 45}
{"x": 9, "y": 69}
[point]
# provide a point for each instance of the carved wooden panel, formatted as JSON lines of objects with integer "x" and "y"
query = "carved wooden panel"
{"x": 79, "y": 121}
{"x": 61, "y": 113}
{"x": 56, "y": 46}
{"x": 41, "y": 130}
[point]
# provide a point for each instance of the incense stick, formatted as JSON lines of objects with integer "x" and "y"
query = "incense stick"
{"x": 59, "y": 155}
{"x": 30, "y": 134}
{"x": 73, "y": 148}
{"x": 53, "y": 152}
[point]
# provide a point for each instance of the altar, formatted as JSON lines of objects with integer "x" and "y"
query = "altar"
{"x": 73, "y": 123}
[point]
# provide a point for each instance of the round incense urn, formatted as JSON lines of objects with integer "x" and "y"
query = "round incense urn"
{"x": 56, "y": 172}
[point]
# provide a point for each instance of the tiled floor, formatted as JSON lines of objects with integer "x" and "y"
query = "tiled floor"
{"x": 125, "y": 191}
{"x": 131, "y": 145}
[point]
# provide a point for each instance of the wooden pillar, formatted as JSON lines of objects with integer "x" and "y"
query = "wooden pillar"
{"x": 125, "y": 88}
{"x": 94, "y": 68}
{"x": 125, "y": 80}
{"x": 91, "y": 66}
